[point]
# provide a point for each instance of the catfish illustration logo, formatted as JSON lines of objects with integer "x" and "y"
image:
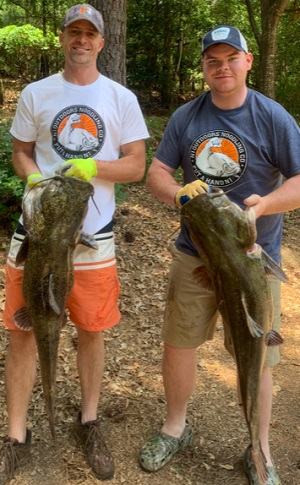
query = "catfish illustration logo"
{"x": 218, "y": 157}
{"x": 77, "y": 130}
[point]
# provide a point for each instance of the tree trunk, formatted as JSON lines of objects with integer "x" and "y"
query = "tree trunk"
{"x": 2, "y": 95}
{"x": 112, "y": 59}
{"x": 266, "y": 38}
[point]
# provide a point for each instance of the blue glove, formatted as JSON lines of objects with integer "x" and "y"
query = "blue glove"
{"x": 189, "y": 191}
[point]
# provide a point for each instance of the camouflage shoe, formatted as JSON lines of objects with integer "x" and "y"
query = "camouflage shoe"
{"x": 12, "y": 455}
{"x": 250, "y": 470}
{"x": 97, "y": 453}
{"x": 159, "y": 450}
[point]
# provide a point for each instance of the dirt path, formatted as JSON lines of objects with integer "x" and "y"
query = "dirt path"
{"x": 133, "y": 403}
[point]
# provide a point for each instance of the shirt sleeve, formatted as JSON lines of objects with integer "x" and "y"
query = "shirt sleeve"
{"x": 170, "y": 149}
{"x": 134, "y": 126}
{"x": 23, "y": 126}
{"x": 287, "y": 143}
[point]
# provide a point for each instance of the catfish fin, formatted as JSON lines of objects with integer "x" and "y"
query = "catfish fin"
{"x": 260, "y": 464}
{"x": 255, "y": 330}
{"x": 56, "y": 307}
{"x": 272, "y": 268}
{"x": 88, "y": 240}
{"x": 64, "y": 320}
{"x": 23, "y": 251}
{"x": 202, "y": 277}
{"x": 273, "y": 338}
{"x": 22, "y": 319}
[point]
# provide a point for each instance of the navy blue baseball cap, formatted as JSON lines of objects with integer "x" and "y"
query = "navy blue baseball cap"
{"x": 225, "y": 34}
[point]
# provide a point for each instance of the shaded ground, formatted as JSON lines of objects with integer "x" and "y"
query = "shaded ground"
{"x": 133, "y": 404}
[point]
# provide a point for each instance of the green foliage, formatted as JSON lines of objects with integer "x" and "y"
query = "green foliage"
{"x": 120, "y": 193}
{"x": 11, "y": 187}
{"x": 163, "y": 45}
{"x": 156, "y": 126}
{"x": 43, "y": 14}
{"x": 164, "y": 42}
{"x": 288, "y": 63}
{"x": 26, "y": 45}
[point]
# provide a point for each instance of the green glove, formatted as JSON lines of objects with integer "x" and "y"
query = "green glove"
{"x": 34, "y": 179}
{"x": 82, "y": 168}
{"x": 189, "y": 191}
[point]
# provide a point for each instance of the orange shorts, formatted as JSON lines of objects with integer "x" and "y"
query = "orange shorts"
{"x": 93, "y": 302}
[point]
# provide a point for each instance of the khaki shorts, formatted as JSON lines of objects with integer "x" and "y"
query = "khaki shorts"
{"x": 191, "y": 312}
{"x": 93, "y": 302}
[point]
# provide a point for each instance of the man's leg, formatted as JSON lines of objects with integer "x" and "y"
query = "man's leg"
{"x": 90, "y": 362}
{"x": 189, "y": 320}
{"x": 20, "y": 372}
{"x": 179, "y": 375}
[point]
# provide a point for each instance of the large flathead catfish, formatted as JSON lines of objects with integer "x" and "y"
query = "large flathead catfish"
{"x": 53, "y": 216}
{"x": 235, "y": 269}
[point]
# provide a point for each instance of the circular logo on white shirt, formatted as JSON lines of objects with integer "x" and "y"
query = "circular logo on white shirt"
{"x": 218, "y": 158}
{"x": 77, "y": 131}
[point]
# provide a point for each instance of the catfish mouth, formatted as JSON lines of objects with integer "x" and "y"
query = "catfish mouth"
{"x": 63, "y": 169}
{"x": 214, "y": 192}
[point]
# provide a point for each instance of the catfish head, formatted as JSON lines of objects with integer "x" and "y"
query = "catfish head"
{"x": 215, "y": 219}
{"x": 59, "y": 198}
{"x": 65, "y": 199}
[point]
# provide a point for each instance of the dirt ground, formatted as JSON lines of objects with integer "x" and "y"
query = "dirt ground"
{"x": 133, "y": 404}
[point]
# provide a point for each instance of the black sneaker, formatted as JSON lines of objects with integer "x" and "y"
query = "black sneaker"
{"x": 98, "y": 456}
{"x": 12, "y": 455}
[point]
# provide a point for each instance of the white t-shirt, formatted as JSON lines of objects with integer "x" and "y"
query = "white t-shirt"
{"x": 68, "y": 121}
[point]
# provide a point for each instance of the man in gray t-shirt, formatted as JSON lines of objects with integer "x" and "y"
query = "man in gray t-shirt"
{"x": 233, "y": 138}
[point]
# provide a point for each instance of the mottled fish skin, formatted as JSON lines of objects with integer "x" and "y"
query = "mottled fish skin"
{"x": 53, "y": 216}
{"x": 235, "y": 269}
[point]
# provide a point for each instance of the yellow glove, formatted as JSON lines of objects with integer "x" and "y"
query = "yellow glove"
{"x": 82, "y": 168}
{"x": 189, "y": 191}
{"x": 35, "y": 179}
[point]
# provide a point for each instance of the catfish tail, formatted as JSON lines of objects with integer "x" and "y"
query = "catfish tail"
{"x": 259, "y": 461}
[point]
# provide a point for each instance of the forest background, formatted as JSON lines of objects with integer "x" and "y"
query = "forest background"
{"x": 153, "y": 47}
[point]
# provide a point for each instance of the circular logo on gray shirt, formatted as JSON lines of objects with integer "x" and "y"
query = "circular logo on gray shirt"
{"x": 218, "y": 158}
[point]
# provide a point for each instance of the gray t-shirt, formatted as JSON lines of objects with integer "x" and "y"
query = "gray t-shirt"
{"x": 245, "y": 150}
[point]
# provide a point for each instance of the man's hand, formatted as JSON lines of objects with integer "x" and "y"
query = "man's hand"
{"x": 189, "y": 191}
{"x": 82, "y": 168}
{"x": 35, "y": 180}
{"x": 257, "y": 204}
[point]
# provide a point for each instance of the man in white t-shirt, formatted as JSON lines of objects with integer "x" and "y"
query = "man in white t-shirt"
{"x": 82, "y": 117}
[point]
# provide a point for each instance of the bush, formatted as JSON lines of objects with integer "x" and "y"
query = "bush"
{"x": 28, "y": 47}
{"x": 11, "y": 187}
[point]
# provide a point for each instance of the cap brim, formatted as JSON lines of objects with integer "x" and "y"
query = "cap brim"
{"x": 237, "y": 47}
{"x": 82, "y": 17}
